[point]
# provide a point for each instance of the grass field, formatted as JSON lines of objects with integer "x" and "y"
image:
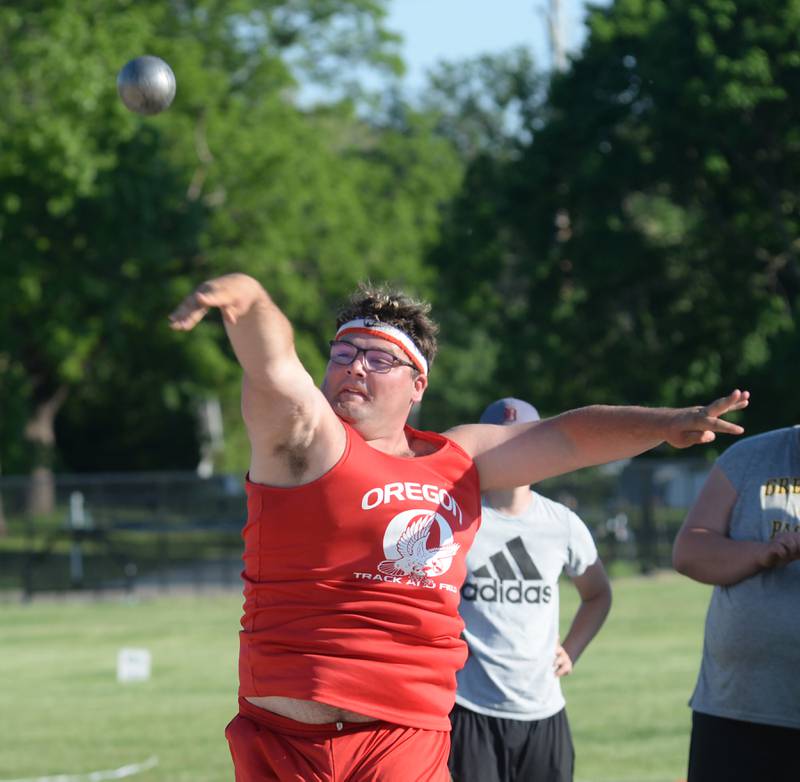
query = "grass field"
{"x": 627, "y": 697}
{"x": 65, "y": 714}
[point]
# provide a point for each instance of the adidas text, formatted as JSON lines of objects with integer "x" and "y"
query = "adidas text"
{"x": 506, "y": 592}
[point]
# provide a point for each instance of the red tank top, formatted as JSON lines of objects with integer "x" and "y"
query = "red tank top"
{"x": 352, "y": 583}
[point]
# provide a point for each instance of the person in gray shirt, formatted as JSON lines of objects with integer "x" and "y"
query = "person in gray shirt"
{"x": 509, "y": 722}
{"x": 743, "y": 536}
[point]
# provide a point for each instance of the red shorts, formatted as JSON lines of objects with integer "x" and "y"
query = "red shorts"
{"x": 269, "y": 748}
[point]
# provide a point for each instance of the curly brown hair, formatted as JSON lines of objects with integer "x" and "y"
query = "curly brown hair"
{"x": 394, "y": 308}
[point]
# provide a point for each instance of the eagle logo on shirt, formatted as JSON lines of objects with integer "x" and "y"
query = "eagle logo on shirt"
{"x": 413, "y": 555}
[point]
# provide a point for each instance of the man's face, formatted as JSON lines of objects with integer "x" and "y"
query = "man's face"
{"x": 372, "y": 401}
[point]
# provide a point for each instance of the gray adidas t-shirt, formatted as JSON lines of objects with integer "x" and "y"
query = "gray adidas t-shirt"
{"x": 751, "y": 652}
{"x": 509, "y": 603}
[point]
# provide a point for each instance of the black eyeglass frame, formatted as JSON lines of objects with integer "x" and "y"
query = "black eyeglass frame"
{"x": 396, "y": 362}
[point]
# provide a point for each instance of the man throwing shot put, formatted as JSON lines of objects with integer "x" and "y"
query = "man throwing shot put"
{"x": 358, "y": 527}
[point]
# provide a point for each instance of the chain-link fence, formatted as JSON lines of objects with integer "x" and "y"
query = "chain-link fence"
{"x": 168, "y": 530}
{"x": 634, "y": 508}
{"x": 122, "y": 531}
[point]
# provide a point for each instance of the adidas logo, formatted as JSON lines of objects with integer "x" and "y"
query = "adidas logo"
{"x": 507, "y": 584}
{"x": 502, "y": 567}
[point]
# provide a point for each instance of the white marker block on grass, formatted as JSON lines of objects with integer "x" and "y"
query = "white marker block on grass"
{"x": 133, "y": 665}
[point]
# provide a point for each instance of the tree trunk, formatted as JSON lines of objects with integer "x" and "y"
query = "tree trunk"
{"x": 40, "y": 434}
{"x": 648, "y": 549}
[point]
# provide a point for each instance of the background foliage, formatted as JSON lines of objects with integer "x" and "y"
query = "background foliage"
{"x": 625, "y": 231}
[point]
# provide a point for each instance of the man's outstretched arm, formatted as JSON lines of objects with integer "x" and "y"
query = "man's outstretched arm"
{"x": 294, "y": 435}
{"x": 508, "y": 456}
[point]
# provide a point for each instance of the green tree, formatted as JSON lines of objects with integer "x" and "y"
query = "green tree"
{"x": 64, "y": 277}
{"x": 489, "y": 107}
{"x": 673, "y": 145}
{"x": 108, "y": 219}
{"x": 645, "y": 242}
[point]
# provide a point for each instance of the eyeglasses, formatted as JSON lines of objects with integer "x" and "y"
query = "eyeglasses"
{"x": 375, "y": 359}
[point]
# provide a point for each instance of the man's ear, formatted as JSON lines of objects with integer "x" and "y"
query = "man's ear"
{"x": 420, "y": 384}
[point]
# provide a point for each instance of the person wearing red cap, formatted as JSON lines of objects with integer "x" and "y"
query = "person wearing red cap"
{"x": 357, "y": 530}
{"x": 510, "y": 720}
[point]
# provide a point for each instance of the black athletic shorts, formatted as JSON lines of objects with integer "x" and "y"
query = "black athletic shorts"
{"x": 736, "y": 751}
{"x": 491, "y": 749}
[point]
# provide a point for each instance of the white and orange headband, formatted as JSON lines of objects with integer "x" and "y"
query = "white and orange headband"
{"x": 376, "y": 328}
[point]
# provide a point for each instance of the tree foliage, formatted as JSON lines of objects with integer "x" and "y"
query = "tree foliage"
{"x": 625, "y": 231}
{"x": 107, "y": 219}
{"x": 643, "y": 248}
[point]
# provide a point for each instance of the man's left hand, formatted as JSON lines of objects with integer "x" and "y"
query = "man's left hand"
{"x": 563, "y": 662}
{"x": 695, "y": 425}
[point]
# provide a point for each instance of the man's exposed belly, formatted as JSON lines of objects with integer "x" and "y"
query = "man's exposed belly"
{"x": 310, "y": 712}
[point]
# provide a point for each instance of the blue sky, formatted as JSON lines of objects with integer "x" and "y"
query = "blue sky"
{"x": 453, "y": 29}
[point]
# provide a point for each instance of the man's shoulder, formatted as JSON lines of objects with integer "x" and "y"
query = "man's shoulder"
{"x": 430, "y": 442}
{"x": 759, "y": 444}
{"x": 554, "y": 507}
{"x": 473, "y": 439}
{"x": 769, "y": 438}
{"x": 542, "y": 510}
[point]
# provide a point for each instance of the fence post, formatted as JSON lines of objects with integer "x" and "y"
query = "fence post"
{"x": 648, "y": 535}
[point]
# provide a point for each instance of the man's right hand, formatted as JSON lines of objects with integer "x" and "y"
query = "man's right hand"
{"x": 232, "y": 294}
{"x": 781, "y": 550}
{"x": 295, "y": 436}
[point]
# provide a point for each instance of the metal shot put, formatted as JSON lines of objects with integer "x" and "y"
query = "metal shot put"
{"x": 146, "y": 85}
